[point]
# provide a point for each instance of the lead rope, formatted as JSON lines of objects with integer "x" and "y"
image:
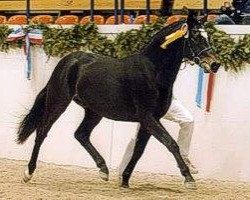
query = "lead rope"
{"x": 183, "y": 52}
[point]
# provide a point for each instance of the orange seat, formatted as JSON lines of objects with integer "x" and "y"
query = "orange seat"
{"x": 142, "y": 19}
{"x": 42, "y": 19}
{"x": 67, "y": 19}
{"x": 175, "y": 18}
{"x": 98, "y": 19}
{"x": 3, "y": 19}
{"x": 211, "y": 18}
{"x": 18, "y": 20}
{"x": 111, "y": 20}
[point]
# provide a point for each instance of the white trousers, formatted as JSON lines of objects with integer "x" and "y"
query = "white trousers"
{"x": 176, "y": 113}
{"x": 179, "y": 114}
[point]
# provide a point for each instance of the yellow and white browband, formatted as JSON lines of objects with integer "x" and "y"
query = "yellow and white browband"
{"x": 174, "y": 36}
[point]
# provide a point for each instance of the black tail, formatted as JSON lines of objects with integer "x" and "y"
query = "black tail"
{"x": 30, "y": 121}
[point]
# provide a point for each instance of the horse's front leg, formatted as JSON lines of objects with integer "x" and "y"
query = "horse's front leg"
{"x": 157, "y": 130}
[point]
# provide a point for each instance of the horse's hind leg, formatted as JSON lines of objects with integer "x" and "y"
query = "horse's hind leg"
{"x": 51, "y": 114}
{"x": 83, "y": 133}
{"x": 141, "y": 142}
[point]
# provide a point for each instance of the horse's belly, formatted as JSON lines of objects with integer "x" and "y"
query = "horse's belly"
{"x": 121, "y": 111}
{"x": 108, "y": 101}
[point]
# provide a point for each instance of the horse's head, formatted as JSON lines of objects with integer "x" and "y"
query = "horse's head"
{"x": 197, "y": 47}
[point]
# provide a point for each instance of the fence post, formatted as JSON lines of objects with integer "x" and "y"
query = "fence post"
{"x": 205, "y": 9}
{"x": 92, "y": 4}
{"x": 122, "y": 11}
{"x": 116, "y": 12}
{"x": 148, "y": 11}
{"x": 28, "y": 9}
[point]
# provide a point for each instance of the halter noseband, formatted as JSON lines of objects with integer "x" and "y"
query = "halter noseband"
{"x": 195, "y": 57}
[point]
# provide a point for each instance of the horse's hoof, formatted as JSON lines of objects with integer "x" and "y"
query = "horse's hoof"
{"x": 26, "y": 176}
{"x": 104, "y": 176}
{"x": 190, "y": 185}
{"x": 122, "y": 184}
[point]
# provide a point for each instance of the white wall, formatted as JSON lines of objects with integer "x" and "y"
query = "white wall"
{"x": 221, "y": 140}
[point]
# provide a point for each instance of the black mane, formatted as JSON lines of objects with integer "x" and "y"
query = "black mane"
{"x": 161, "y": 34}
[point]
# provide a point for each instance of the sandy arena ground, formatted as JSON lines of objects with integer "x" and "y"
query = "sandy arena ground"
{"x": 70, "y": 182}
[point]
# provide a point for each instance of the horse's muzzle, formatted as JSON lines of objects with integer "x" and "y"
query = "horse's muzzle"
{"x": 210, "y": 64}
{"x": 215, "y": 66}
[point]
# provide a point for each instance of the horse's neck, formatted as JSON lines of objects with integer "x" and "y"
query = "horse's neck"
{"x": 167, "y": 62}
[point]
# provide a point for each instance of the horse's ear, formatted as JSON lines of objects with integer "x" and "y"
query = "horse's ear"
{"x": 192, "y": 18}
{"x": 185, "y": 10}
{"x": 203, "y": 19}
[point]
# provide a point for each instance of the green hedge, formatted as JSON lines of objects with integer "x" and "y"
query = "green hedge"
{"x": 60, "y": 41}
{"x": 232, "y": 54}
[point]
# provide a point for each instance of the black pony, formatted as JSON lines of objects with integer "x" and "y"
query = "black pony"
{"x": 137, "y": 89}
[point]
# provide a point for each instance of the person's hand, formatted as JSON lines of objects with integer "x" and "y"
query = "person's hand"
{"x": 223, "y": 8}
{"x": 227, "y": 4}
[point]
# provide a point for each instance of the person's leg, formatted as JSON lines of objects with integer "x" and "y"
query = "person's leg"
{"x": 246, "y": 20}
{"x": 128, "y": 152}
{"x": 224, "y": 19}
{"x": 179, "y": 114}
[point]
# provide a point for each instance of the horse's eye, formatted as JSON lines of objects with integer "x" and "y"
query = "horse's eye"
{"x": 196, "y": 33}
